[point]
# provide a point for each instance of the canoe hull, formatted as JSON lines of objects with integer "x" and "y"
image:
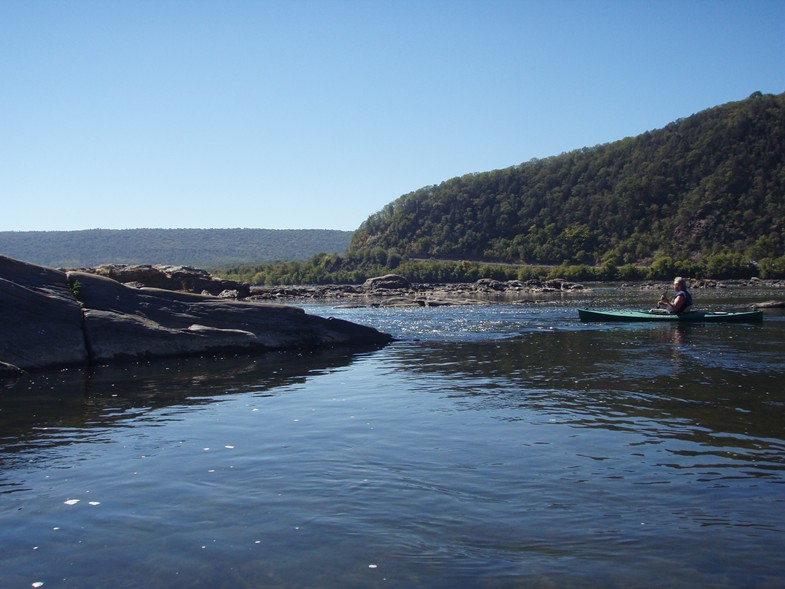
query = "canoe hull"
{"x": 694, "y": 316}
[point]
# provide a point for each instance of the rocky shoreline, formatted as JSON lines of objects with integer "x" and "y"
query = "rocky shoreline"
{"x": 394, "y": 291}
{"x": 52, "y": 318}
{"x": 390, "y": 290}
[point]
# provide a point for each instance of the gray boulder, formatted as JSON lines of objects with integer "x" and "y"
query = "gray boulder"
{"x": 387, "y": 282}
{"x": 40, "y": 318}
{"x": 490, "y": 284}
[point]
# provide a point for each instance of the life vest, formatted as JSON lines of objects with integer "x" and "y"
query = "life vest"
{"x": 687, "y": 300}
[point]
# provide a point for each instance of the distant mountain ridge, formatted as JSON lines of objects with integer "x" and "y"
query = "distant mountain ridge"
{"x": 709, "y": 184}
{"x": 203, "y": 248}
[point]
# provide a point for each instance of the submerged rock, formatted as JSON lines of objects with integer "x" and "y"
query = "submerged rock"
{"x": 769, "y": 305}
{"x": 52, "y": 318}
{"x": 10, "y": 370}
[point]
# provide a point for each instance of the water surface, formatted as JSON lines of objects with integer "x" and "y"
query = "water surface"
{"x": 491, "y": 446}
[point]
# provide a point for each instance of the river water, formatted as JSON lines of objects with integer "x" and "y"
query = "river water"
{"x": 505, "y": 445}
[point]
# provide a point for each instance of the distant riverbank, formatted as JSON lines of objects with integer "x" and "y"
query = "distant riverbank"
{"x": 396, "y": 292}
{"x": 393, "y": 290}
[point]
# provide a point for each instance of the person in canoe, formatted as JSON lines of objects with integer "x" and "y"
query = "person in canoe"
{"x": 681, "y": 302}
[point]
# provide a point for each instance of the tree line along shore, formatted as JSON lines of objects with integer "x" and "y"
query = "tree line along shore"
{"x": 357, "y": 267}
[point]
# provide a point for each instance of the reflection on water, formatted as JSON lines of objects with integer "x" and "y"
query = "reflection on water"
{"x": 661, "y": 383}
{"x": 490, "y": 447}
{"x": 73, "y": 405}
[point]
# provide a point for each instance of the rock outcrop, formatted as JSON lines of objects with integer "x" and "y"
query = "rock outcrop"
{"x": 180, "y": 278}
{"x": 52, "y": 318}
{"x": 40, "y": 320}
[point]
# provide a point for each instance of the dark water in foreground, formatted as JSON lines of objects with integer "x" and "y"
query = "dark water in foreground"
{"x": 494, "y": 446}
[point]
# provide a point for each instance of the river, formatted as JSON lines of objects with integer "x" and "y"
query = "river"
{"x": 490, "y": 446}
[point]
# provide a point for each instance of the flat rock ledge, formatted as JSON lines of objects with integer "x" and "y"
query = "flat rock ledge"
{"x": 53, "y": 318}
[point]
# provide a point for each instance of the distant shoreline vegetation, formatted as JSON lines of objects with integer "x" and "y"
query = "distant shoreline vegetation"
{"x": 357, "y": 267}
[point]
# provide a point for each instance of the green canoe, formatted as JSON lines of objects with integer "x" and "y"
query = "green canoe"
{"x": 702, "y": 316}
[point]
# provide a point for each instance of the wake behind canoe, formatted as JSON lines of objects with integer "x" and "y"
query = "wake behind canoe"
{"x": 700, "y": 316}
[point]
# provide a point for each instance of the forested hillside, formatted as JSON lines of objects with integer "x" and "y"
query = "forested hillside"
{"x": 204, "y": 248}
{"x": 708, "y": 185}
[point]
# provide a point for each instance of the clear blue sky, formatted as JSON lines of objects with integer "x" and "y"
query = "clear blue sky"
{"x": 297, "y": 114}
